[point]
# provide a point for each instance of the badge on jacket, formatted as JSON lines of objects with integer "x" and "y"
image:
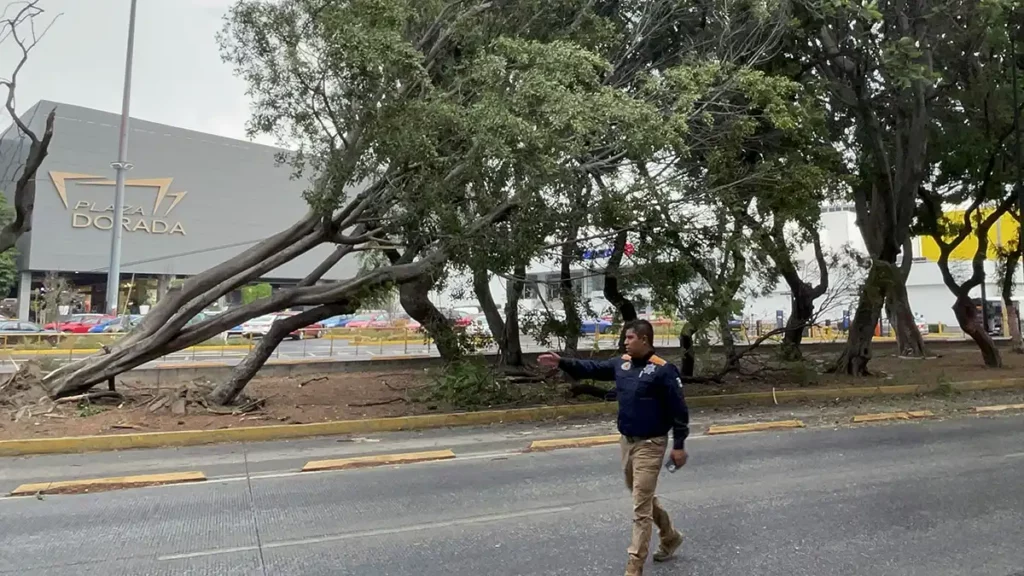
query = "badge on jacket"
{"x": 626, "y": 365}
{"x": 649, "y": 369}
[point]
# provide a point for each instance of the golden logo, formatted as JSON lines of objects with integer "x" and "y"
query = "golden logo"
{"x": 86, "y": 214}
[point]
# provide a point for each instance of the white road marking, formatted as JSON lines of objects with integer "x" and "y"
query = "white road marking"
{"x": 373, "y": 533}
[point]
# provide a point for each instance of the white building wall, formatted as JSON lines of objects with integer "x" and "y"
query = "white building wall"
{"x": 929, "y": 297}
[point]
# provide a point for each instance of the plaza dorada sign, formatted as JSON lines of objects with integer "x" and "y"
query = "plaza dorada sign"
{"x": 138, "y": 217}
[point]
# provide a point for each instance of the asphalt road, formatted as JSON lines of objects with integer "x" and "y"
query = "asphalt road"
{"x": 936, "y": 499}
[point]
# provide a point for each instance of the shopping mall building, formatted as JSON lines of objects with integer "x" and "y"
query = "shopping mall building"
{"x": 192, "y": 200}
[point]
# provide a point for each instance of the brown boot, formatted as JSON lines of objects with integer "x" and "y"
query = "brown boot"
{"x": 634, "y": 567}
{"x": 667, "y": 548}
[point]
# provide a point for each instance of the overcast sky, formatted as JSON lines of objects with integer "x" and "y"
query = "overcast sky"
{"x": 178, "y": 76}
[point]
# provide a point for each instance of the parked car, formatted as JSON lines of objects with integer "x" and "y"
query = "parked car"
{"x": 119, "y": 324}
{"x": 337, "y": 321}
{"x": 13, "y": 331}
{"x": 478, "y": 326}
{"x": 257, "y": 327}
{"x": 922, "y": 324}
{"x": 79, "y": 323}
{"x": 367, "y": 320}
{"x": 596, "y": 325}
{"x": 407, "y": 322}
{"x": 314, "y": 330}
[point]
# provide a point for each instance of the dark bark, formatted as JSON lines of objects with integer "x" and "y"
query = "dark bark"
{"x": 728, "y": 343}
{"x": 612, "y": 293}
{"x": 25, "y": 187}
{"x": 413, "y": 296}
{"x": 908, "y": 337}
{"x": 970, "y": 322}
{"x": 855, "y": 357}
{"x": 688, "y": 361}
{"x": 801, "y": 314}
{"x": 909, "y": 341}
{"x": 495, "y": 323}
{"x": 226, "y": 392}
{"x": 802, "y": 294}
{"x": 567, "y": 295}
{"x": 513, "y": 353}
{"x": 1006, "y": 287}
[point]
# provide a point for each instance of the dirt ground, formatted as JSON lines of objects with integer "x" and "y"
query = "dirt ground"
{"x": 308, "y": 399}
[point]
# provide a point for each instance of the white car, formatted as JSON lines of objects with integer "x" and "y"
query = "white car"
{"x": 258, "y": 327}
{"x": 922, "y": 324}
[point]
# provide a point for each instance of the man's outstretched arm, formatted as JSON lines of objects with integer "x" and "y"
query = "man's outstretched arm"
{"x": 581, "y": 369}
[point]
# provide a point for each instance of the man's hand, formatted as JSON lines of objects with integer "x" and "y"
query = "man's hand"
{"x": 549, "y": 360}
{"x": 679, "y": 458}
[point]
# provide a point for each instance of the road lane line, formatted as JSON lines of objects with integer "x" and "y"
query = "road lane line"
{"x": 374, "y": 533}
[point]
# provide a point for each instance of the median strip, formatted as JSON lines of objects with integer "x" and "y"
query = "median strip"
{"x": 754, "y": 427}
{"x": 106, "y": 484}
{"x": 379, "y": 460}
{"x": 560, "y": 443}
{"x": 999, "y": 408}
{"x": 885, "y": 416}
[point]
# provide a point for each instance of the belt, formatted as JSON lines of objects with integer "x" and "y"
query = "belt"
{"x": 638, "y": 439}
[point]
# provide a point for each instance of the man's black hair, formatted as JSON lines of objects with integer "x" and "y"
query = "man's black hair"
{"x": 643, "y": 329}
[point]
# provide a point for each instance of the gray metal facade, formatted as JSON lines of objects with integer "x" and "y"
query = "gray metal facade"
{"x": 193, "y": 200}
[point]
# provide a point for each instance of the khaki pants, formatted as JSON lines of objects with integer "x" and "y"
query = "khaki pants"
{"x": 641, "y": 462}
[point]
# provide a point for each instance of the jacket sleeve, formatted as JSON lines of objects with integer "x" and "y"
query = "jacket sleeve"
{"x": 672, "y": 390}
{"x": 589, "y": 369}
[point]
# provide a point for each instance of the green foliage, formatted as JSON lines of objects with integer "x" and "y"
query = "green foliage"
{"x": 8, "y": 260}
{"x": 469, "y": 385}
{"x": 256, "y": 292}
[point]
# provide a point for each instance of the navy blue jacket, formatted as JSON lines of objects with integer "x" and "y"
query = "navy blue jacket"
{"x": 649, "y": 391}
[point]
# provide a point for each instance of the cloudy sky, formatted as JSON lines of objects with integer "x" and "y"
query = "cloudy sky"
{"x": 178, "y": 76}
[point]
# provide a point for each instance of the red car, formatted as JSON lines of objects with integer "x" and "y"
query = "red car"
{"x": 314, "y": 330}
{"x": 79, "y": 323}
{"x": 367, "y": 321}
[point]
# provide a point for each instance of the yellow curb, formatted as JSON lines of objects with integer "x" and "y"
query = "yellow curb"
{"x": 999, "y": 408}
{"x": 883, "y": 416}
{"x": 427, "y": 421}
{"x": 113, "y": 483}
{"x": 559, "y": 443}
{"x": 401, "y": 357}
{"x": 754, "y": 427}
{"x": 380, "y": 460}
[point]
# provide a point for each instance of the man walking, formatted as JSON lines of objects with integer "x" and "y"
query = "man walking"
{"x": 650, "y": 395}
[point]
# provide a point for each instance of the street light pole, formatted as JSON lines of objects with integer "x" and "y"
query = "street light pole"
{"x": 120, "y": 167}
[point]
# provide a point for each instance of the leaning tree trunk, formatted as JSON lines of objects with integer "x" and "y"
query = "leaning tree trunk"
{"x": 855, "y": 357}
{"x": 568, "y": 297}
{"x": 908, "y": 337}
{"x": 968, "y": 319}
{"x": 226, "y": 392}
{"x": 495, "y": 323}
{"x": 513, "y": 353}
{"x": 802, "y": 303}
{"x": 413, "y": 296}
{"x": 728, "y": 343}
{"x": 611, "y": 290}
